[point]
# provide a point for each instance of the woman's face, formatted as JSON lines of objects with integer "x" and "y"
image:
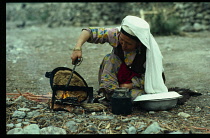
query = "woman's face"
{"x": 127, "y": 43}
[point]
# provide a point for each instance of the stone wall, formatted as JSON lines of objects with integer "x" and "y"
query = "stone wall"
{"x": 194, "y": 16}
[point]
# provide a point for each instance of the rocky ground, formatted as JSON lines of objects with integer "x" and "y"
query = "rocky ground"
{"x": 34, "y": 50}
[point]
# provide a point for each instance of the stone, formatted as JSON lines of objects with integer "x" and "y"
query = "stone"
{"x": 19, "y": 125}
{"x": 93, "y": 113}
{"x": 118, "y": 128}
{"x": 10, "y": 125}
{"x": 183, "y": 114}
{"x": 140, "y": 128}
{"x": 129, "y": 119}
{"x": 72, "y": 126}
{"x": 15, "y": 131}
{"x": 123, "y": 132}
{"x": 92, "y": 129}
{"x": 9, "y": 103}
{"x": 199, "y": 15}
{"x": 52, "y": 130}
{"x": 207, "y": 16}
{"x": 24, "y": 109}
{"x": 176, "y": 132}
{"x": 197, "y": 27}
{"x": 197, "y": 109}
{"x": 154, "y": 128}
{"x": 102, "y": 117}
{"x": 101, "y": 23}
{"x": 19, "y": 120}
{"x": 105, "y": 17}
{"x": 20, "y": 99}
{"x": 131, "y": 130}
{"x": 34, "y": 107}
{"x": 19, "y": 114}
{"x": 39, "y": 106}
{"x": 32, "y": 114}
{"x": 78, "y": 120}
{"x": 25, "y": 123}
{"x": 151, "y": 112}
{"x": 93, "y": 22}
{"x": 187, "y": 28}
{"x": 31, "y": 129}
{"x": 103, "y": 130}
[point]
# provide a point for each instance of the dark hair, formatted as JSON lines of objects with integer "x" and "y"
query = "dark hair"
{"x": 127, "y": 34}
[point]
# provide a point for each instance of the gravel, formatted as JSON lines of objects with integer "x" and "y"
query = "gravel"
{"x": 46, "y": 121}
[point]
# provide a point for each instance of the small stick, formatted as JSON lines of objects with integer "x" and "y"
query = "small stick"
{"x": 12, "y": 94}
{"x": 19, "y": 92}
{"x": 201, "y": 128}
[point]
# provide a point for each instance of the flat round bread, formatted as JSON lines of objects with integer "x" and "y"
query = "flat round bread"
{"x": 61, "y": 77}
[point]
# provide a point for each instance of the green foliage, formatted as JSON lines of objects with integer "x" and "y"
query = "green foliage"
{"x": 162, "y": 25}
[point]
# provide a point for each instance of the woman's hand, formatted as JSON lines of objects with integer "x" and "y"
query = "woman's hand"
{"x": 76, "y": 55}
{"x": 127, "y": 85}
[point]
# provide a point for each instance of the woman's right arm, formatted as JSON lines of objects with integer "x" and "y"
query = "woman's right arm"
{"x": 94, "y": 35}
{"x": 77, "y": 51}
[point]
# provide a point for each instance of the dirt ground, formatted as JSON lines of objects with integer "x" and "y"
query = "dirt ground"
{"x": 34, "y": 50}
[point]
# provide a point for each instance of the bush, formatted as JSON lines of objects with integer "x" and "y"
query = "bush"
{"x": 162, "y": 25}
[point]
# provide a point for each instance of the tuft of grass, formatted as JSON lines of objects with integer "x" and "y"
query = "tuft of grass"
{"x": 162, "y": 25}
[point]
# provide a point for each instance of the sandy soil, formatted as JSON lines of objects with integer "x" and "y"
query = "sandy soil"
{"x": 32, "y": 51}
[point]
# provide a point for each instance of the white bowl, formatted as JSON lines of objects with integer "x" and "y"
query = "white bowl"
{"x": 160, "y": 101}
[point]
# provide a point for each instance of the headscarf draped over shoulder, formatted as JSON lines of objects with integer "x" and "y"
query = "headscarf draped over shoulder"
{"x": 153, "y": 76}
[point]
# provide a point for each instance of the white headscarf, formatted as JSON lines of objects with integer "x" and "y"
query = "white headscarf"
{"x": 154, "y": 67}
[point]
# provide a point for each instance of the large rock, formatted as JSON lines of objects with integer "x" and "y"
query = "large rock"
{"x": 154, "y": 128}
{"x": 15, "y": 131}
{"x": 52, "y": 130}
{"x": 198, "y": 27}
{"x": 30, "y": 129}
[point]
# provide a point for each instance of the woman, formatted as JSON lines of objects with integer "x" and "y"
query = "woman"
{"x": 135, "y": 61}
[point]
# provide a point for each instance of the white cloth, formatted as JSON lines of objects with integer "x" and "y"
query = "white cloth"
{"x": 126, "y": 28}
{"x": 153, "y": 76}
